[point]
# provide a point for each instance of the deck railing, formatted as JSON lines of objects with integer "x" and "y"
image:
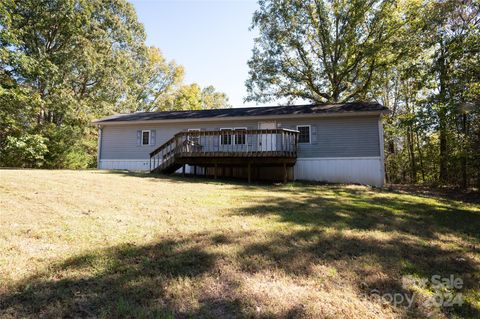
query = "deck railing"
{"x": 226, "y": 143}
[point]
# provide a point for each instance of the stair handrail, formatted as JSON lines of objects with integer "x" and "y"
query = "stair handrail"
{"x": 177, "y": 142}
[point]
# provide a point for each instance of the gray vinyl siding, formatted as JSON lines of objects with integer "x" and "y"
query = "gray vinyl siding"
{"x": 330, "y": 137}
{"x": 120, "y": 142}
{"x": 339, "y": 137}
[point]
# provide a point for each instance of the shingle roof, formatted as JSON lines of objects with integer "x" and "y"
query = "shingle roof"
{"x": 248, "y": 111}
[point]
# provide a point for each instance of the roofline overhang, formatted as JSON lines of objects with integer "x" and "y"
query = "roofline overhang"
{"x": 236, "y": 118}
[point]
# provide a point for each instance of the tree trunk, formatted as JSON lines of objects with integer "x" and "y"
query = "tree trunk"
{"x": 442, "y": 114}
{"x": 464, "y": 151}
{"x": 420, "y": 157}
{"x": 443, "y": 152}
{"x": 413, "y": 164}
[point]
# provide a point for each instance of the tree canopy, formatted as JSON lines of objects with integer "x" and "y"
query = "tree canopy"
{"x": 419, "y": 58}
{"x": 64, "y": 63}
{"x": 321, "y": 50}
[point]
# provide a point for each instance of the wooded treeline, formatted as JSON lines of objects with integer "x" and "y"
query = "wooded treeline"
{"x": 64, "y": 63}
{"x": 421, "y": 59}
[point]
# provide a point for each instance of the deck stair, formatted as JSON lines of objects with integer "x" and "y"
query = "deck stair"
{"x": 267, "y": 147}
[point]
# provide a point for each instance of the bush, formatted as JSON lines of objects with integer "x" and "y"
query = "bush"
{"x": 24, "y": 151}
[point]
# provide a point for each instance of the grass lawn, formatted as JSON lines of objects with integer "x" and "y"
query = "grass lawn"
{"x": 104, "y": 244}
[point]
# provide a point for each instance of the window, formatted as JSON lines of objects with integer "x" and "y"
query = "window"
{"x": 145, "y": 137}
{"x": 225, "y": 137}
{"x": 194, "y": 138}
{"x": 240, "y": 136}
{"x": 304, "y": 133}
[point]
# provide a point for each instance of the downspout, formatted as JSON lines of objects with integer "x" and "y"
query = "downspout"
{"x": 99, "y": 147}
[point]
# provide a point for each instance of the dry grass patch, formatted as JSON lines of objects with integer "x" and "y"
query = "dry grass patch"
{"x": 100, "y": 244}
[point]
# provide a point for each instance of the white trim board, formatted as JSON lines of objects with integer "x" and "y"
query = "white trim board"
{"x": 381, "y": 146}
{"x": 149, "y": 138}
{"x": 309, "y": 133}
{"x": 338, "y": 158}
{"x": 125, "y": 160}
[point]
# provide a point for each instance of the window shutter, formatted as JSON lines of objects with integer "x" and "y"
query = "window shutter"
{"x": 153, "y": 137}
{"x": 139, "y": 138}
{"x": 313, "y": 134}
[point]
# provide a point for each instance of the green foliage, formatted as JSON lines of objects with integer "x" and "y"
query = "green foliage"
{"x": 321, "y": 50}
{"x": 211, "y": 99}
{"x": 433, "y": 130}
{"x": 24, "y": 151}
{"x": 193, "y": 97}
{"x": 156, "y": 79}
{"x": 64, "y": 63}
{"x": 418, "y": 58}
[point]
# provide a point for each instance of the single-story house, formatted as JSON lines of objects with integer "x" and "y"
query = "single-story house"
{"x": 320, "y": 142}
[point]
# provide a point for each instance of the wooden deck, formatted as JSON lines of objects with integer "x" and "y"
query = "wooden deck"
{"x": 227, "y": 148}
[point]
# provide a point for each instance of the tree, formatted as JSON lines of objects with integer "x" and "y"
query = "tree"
{"x": 455, "y": 40}
{"x": 156, "y": 78}
{"x": 25, "y": 151}
{"x": 64, "y": 63}
{"x": 211, "y": 99}
{"x": 419, "y": 58}
{"x": 321, "y": 50}
{"x": 193, "y": 97}
{"x": 74, "y": 58}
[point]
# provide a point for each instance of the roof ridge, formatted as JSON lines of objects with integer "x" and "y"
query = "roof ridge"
{"x": 253, "y": 107}
{"x": 274, "y": 110}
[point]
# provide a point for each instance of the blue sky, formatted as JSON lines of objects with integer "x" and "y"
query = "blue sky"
{"x": 211, "y": 39}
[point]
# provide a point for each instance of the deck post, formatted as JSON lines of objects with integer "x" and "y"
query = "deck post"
{"x": 285, "y": 173}
{"x": 183, "y": 170}
{"x": 215, "y": 171}
{"x": 249, "y": 172}
{"x": 195, "y": 170}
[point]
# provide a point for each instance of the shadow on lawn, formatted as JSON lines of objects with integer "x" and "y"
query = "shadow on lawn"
{"x": 409, "y": 250}
{"x": 344, "y": 208}
{"x": 136, "y": 281}
{"x": 125, "y": 281}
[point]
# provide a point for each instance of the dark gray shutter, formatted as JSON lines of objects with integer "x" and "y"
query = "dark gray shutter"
{"x": 313, "y": 134}
{"x": 139, "y": 138}
{"x": 153, "y": 137}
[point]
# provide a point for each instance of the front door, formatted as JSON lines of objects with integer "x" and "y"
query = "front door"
{"x": 267, "y": 141}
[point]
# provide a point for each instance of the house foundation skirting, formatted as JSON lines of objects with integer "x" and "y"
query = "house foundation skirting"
{"x": 125, "y": 164}
{"x": 136, "y": 165}
{"x": 362, "y": 170}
